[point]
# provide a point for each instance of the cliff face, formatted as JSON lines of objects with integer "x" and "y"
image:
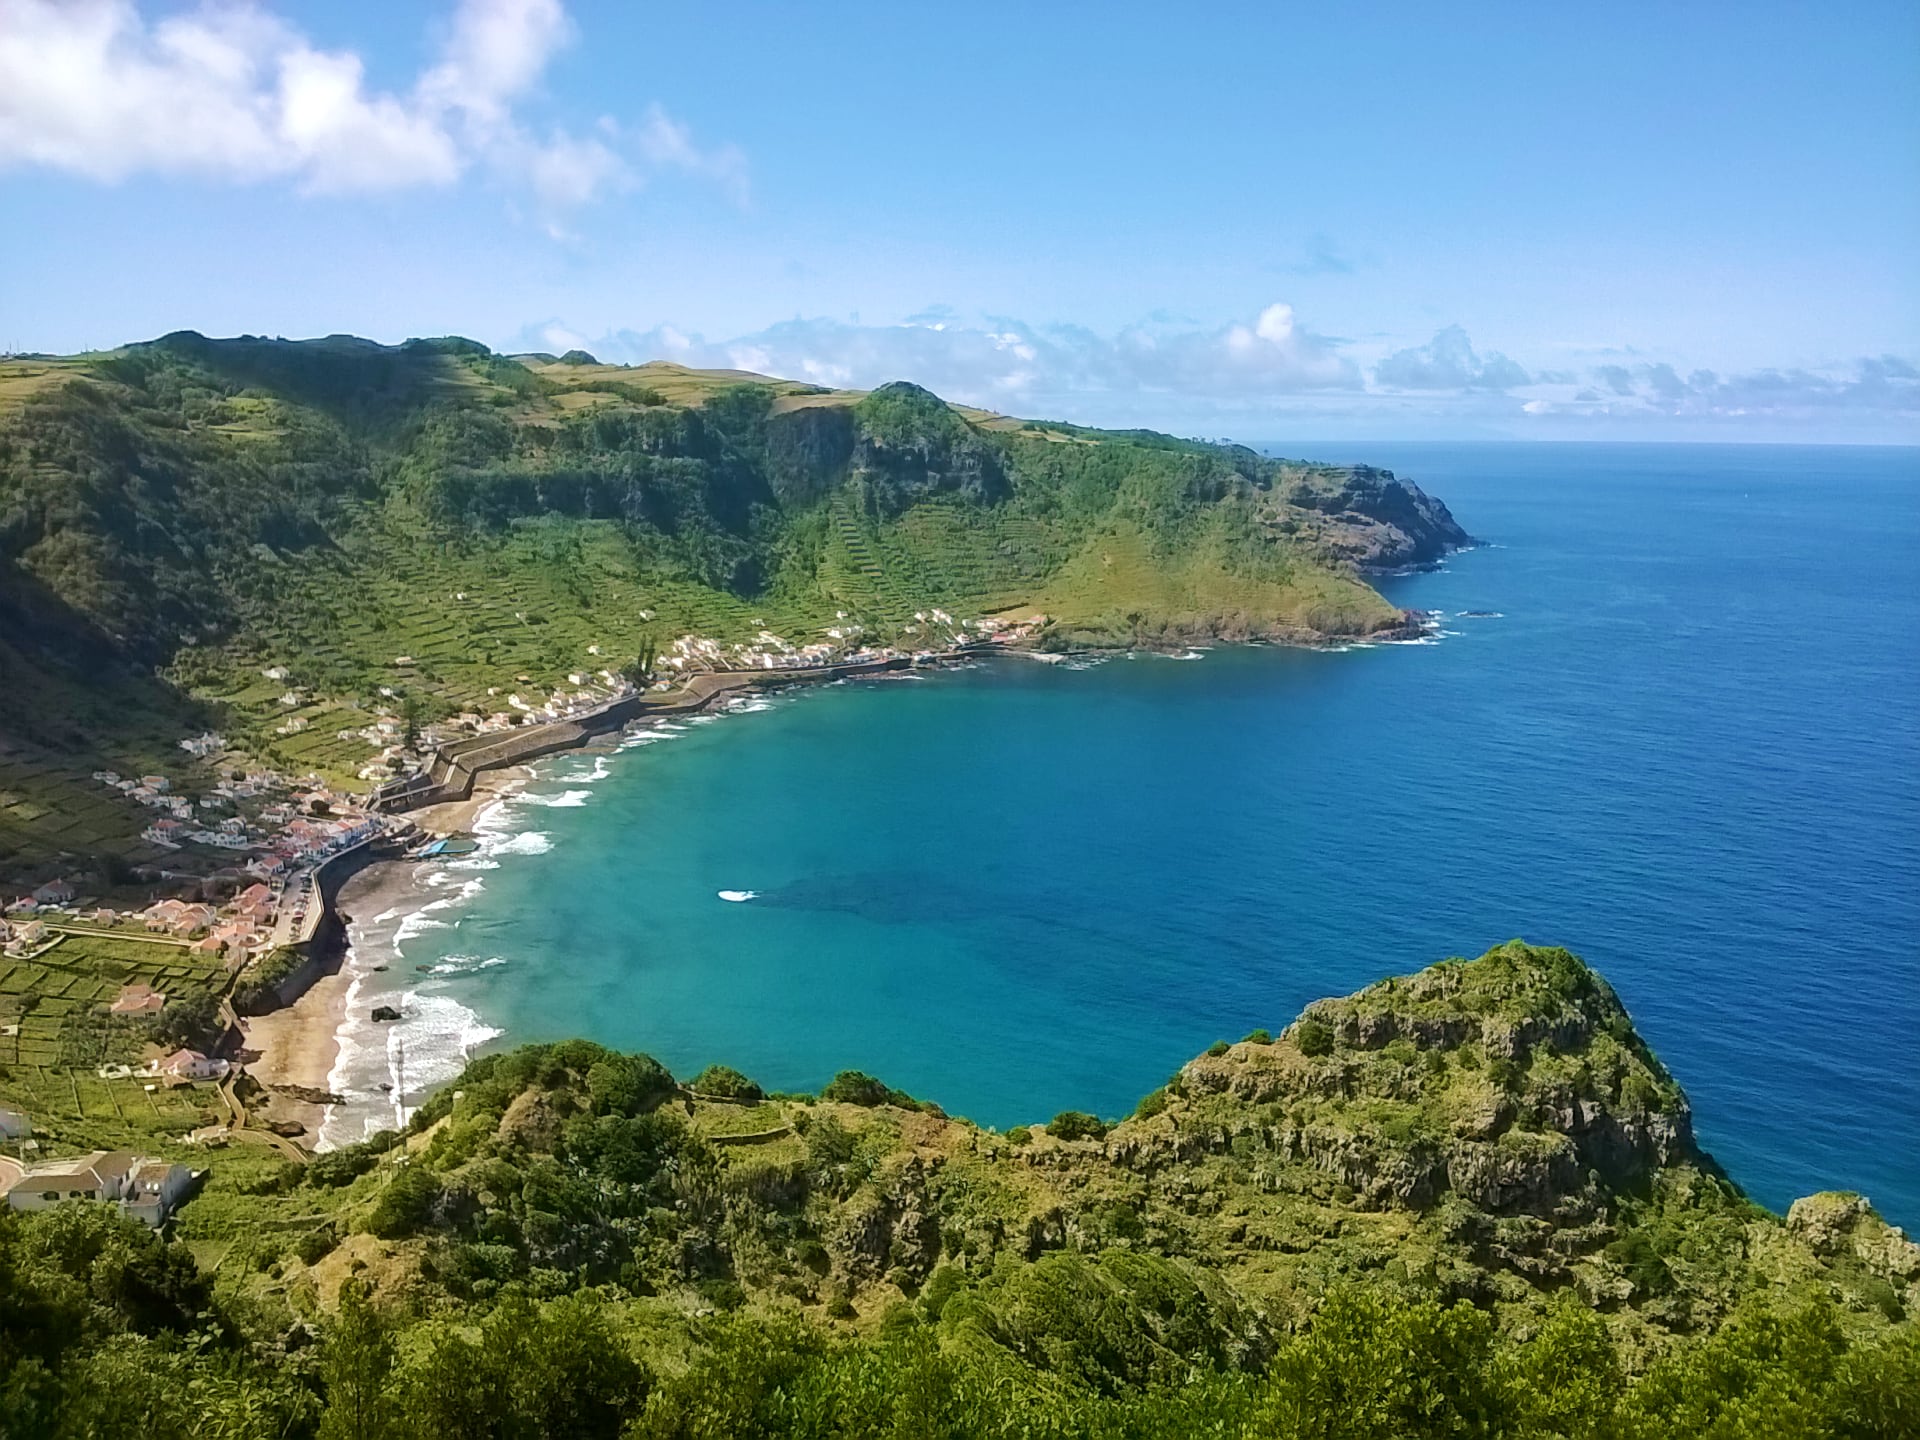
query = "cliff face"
{"x": 911, "y": 446}
{"x": 1371, "y": 518}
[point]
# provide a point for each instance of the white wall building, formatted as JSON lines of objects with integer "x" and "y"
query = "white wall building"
{"x": 145, "y": 1189}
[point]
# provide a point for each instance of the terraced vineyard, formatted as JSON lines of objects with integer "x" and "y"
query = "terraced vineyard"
{"x": 49, "y": 999}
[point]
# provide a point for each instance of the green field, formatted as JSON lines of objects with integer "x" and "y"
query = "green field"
{"x": 52, "y": 1000}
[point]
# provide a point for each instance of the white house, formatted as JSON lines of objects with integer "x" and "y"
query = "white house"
{"x": 191, "y": 1065}
{"x": 54, "y": 892}
{"x": 14, "y": 1125}
{"x": 145, "y": 1189}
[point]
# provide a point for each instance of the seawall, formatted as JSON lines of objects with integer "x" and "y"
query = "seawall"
{"x": 451, "y": 773}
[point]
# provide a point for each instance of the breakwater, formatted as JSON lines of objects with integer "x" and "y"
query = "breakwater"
{"x": 451, "y": 773}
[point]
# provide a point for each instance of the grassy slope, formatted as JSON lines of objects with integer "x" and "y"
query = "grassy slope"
{"x": 1196, "y": 1235}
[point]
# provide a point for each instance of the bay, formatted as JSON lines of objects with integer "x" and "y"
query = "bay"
{"x": 1683, "y": 741}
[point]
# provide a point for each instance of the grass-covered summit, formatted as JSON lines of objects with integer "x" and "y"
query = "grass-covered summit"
{"x": 283, "y": 541}
{"x": 1460, "y": 1203}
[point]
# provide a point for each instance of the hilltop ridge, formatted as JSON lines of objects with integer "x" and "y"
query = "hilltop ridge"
{"x": 1479, "y": 1172}
{"x": 317, "y": 549}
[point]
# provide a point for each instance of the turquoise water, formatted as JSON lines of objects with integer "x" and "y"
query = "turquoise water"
{"x": 1687, "y": 747}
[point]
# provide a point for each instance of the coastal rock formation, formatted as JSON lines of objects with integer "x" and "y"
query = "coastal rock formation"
{"x": 1840, "y": 1225}
{"x": 1371, "y": 518}
{"x": 910, "y": 445}
{"x": 1515, "y": 1083}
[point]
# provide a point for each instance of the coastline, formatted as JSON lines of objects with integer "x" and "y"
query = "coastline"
{"x": 326, "y": 1044}
{"x": 300, "y": 1045}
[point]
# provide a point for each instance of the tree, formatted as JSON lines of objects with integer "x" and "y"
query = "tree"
{"x": 188, "y": 1020}
{"x": 357, "y": 1366}
{"x": 639, "y": 670}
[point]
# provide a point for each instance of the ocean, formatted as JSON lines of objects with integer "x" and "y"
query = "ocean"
{"x": 1670, "y": 719}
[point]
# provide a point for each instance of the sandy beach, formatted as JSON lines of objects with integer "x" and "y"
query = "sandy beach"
{"x": 299, "y": 1046}
{"x": 457, "y": 816}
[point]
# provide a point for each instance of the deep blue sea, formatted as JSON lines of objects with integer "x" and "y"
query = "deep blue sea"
{"x": 1687, "y": 746}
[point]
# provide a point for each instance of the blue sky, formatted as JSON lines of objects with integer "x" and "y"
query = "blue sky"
{"x": 1634, "y": 222}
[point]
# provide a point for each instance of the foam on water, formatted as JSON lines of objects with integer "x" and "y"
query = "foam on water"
{"x": 565, "y": 800}
{"x": 527, "y": 842}
{"x": 465, "y": 964}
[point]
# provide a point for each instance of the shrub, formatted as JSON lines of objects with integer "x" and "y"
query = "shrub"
{"x": 726, "y": 1082}
{"x": 1020, "y": 1135}
{"x": 315, "y": 1245}
{"x": 1258, "y": 1037}
{"x": 945, "y": 1283}
{"x": 722, "y": 1294}
{"x": 1218, "y": 1048}
{"x": 1151, "y": 1104}
{"x": 829, "y": 1143}
{"x": 405, "y": 1204}
{"x": 852, "y": 1087}
{"x": 1076, "y": 1125}
{"x": 841, "y": 1308}
{"x": 341, "y": 1167}
{"x": 1313, "y": 1037}
{"x": 628, "y": 1084}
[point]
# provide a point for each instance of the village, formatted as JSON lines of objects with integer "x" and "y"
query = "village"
{"x": 251, "y": 845}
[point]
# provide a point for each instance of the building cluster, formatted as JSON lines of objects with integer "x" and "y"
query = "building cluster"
{"x": 139, "y": 1186}
{"x": 215, "y": 819}
{"x": 238, "y": 930}
{"x": 290, "y": 832}
{"x": 22, "y": 927}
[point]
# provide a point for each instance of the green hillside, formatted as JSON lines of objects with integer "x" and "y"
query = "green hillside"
{"x": 1466, "y": 1202}
{"x": 285, "y": 542}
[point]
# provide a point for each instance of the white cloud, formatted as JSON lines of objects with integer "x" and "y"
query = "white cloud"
{"x": 668, "y": 145}
{"x": 232, "y": 92}
{"x": 1008, "y": 362}
{"x": 1271, "y": 368}
{"x": 1448, "y": 362}
{"x": 1882, "y": 388}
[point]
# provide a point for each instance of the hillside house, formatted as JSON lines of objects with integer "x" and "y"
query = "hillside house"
{"x": 138, "y": 999}
{"x": 14, "y": 1125}
{"x": 145, "y": 1189}
{"x": 54, "y": 892}
{"x": 191, "y": 1065}
{"x": 177, "y": 917}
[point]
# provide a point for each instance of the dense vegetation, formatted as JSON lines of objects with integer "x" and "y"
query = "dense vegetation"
{"x": 565, "y": 1242}
{"x": 325, "y": 510}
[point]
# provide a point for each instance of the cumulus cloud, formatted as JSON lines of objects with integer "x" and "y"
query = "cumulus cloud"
{"x": 1448, "y": 362}
{"x": 1002, "y": 363}
{"x": 1172, "y": 373}
{"x": 231, "y": 91}
{"x": 1883, "y": 387}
